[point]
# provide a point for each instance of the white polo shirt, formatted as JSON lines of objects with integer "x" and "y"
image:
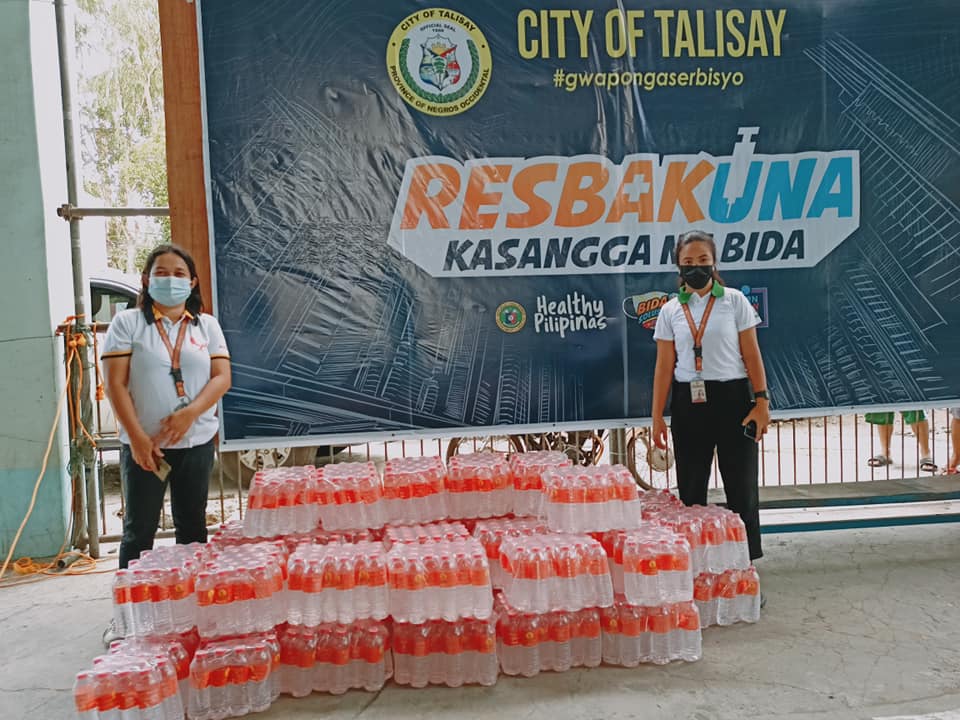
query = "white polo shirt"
{"x": 151, "y": 385}
{"x": 732, "y": 314}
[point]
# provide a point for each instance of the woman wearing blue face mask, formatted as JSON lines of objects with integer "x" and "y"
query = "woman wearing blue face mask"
{"x": 166, "y": 365}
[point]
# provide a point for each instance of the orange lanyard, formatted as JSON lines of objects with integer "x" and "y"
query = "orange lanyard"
{"x": 174, "y": 351}
{"x": 697, "y": 332}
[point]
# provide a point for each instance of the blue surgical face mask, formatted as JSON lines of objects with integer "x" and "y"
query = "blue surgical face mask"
{"x": 169, "y": 291}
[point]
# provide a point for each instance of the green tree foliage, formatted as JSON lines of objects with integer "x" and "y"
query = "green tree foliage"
{"x": 123, "y": 145}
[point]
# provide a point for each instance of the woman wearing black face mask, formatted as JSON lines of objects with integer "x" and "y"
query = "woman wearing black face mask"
{"x": 707, "y": 353}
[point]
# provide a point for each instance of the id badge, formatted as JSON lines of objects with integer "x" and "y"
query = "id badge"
{"x": 698, "y": 391}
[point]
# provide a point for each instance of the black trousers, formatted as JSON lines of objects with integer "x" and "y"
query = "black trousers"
{"x": 699, "y": 429}
{"x": 143, "y": 493}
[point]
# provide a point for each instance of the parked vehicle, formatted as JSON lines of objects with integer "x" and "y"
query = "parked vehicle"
{"x": 111, "y": 293}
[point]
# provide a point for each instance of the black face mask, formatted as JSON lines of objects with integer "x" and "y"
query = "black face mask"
{"x": 696, "y": 277}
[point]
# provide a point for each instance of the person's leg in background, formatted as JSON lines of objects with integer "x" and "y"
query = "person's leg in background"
{"x": 189, "y": 482}
{"x": 917, "y": 421}
{"x": 143, "y": 499}
{"x": 738, "y": 460}
{"x": 884, "y": 424}
{"x": 693, "y": 445}
{"x": 954, "y": 441}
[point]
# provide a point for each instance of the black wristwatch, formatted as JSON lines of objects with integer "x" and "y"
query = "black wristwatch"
{"x": 761, "y": 394}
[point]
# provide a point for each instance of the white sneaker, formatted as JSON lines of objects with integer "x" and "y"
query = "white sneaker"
{"x": 111, "y": 634}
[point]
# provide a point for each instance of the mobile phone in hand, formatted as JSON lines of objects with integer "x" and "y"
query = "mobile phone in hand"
{"x": 163, "y": 469}
{"x": 750, "y": 430}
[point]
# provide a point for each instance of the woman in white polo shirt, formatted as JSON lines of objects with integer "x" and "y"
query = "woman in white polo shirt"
{"x": 707, "y": 353}
{"x": 166, "y": 366}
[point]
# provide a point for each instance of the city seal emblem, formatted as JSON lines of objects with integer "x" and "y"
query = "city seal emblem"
{"x": 439, "y": 61}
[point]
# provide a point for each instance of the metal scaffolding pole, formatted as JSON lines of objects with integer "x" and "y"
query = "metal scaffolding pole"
{"x": 70, "y": 213}
{"x": 82, "y": 467}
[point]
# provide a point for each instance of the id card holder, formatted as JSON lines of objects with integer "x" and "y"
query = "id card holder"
{"x": 698, "y": 391}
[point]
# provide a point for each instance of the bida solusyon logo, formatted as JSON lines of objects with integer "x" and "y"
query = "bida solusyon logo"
{"x": 645, "y": 308}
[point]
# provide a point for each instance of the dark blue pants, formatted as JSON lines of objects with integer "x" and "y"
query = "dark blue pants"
{"x": 700, "y": 429}
{"x": 143, "y": 493}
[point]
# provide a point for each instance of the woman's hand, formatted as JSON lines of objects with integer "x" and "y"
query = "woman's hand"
{"x": 145, "y": 451}
{"x": 175, "y": 426}
{"x": 660, "y": 432}
{"x": 761, "y": 416}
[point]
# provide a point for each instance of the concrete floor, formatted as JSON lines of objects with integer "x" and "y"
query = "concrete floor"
{"x": 859, "y": 624}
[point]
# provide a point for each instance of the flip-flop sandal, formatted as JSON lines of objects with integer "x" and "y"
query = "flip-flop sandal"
{"x": 879, "y": 461}
{"x": 951, "y": 471}
{"x": 928, "y": 465}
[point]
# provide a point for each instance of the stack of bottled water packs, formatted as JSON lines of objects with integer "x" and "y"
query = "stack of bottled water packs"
{"x": 726, "y": 585}
{"x": 337, "y": 580}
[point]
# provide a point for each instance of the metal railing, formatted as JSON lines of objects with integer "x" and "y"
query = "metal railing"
{"x": 806, "y": 451}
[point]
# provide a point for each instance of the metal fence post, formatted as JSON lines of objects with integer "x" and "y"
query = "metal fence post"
{"x": 618, "y": 446}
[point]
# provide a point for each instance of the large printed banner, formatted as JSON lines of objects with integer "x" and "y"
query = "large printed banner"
{"x": 428, "y": 219}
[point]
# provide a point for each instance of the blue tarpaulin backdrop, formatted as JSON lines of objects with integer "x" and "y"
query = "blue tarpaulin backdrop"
{"x": 437, "y": 217}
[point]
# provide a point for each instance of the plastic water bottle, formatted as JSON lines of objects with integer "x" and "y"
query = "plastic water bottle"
{"x": 587, "y": 641}
{"x": 410, "y": 654}
{"x": 374, "y": 658}
{"x": 634, "y": 634}
{"x": 240, "y": 590}
{"x": 687, "y": 633}
{"x": 736, "y": 594}
{"x": 654, "y": 563}
{"x": 491, "y": 533}
{"x": 479, "y": 485}
{"x": 524, "y": 641}
{"x": 481, "y": 667}
{"x": 717, "y": 536}
{"x": 336, "y": 583}
{"x": 445, "y": 579}
{"x": 462, "y": 652}
{"x": 230, "y": 534}
{"x": 298, "y": 659}
{"x": 555, "y": 572}
{"x": 129, "y": 685}
{"x": 725, "y": 592}
{"x": 726, "y": 538}
{"x": 281, "y": 501}
{"x": 590, "y": 499}
{"x": 526, "y": 471}
{"x": 739, "y": 549}
{"x": 155, "y": 595}
{"x": 654, "y": 501}
{"x": 178, "y": 649}
{"x": 703, "y": 595}
{"x": 350, "y": 496}
{"x": 748, "y": 591}
{"x": 233, "y": 677}
{"x": 610, "y": 635}
{"x": 688, "y": 523}
{"x": 661, "y": 626}
{"x": 420, "y": 534}
{"x": 414, "y": 490}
